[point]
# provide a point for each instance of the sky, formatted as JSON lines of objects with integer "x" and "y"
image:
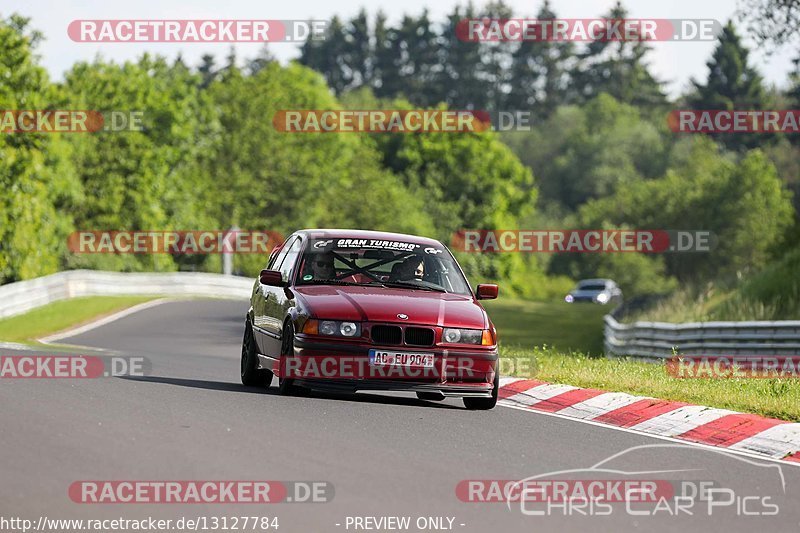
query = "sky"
{"x": 674, "y": 62}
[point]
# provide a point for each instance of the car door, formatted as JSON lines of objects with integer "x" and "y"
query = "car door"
{"x": 276, "y": 299}
{"x": 259, "y": 300}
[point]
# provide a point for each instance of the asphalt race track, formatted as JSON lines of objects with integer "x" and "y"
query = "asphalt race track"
{"x": 384, "y": 454}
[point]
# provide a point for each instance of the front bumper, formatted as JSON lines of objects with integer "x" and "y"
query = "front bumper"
{"x": 344, "y": 366}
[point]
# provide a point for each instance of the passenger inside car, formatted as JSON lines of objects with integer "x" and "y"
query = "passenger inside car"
{"x": 411, "y": 269}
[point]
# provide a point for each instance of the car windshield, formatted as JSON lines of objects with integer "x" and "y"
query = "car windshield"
{"x": 386, "y": 263}
{"x": 592, "y": 287}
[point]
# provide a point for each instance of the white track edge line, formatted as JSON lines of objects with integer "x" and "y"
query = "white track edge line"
{"x": 103, "y": 321}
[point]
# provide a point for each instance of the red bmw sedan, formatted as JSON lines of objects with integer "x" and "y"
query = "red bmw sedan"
{"x": 348, "y": 310}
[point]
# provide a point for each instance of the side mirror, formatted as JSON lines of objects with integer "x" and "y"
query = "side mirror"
{"x": 487, "y": 291}
{"x": 272, "y": 278}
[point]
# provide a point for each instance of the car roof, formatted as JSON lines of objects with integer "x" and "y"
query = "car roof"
{"x": 598, "y": 281}
{"x": 366, "y": 234}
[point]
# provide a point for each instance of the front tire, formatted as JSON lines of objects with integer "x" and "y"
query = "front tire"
{"x": 286, "y": 386}
{"x": 484, "y": 404}
{"x": 251, "y": 375}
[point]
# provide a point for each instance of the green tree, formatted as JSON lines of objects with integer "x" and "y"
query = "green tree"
{"x": 743, "y": 203}
{"x": 146, "y": 179}
{"x": 539, "y": 73}
{"x": 266, "y": 179}
{"x": 732, "y": 84}
{"x": 461, "y": 79}
{"x": 468, "y": 180}
{"x": 772, "y": 22}
{"x": 495, "y": 59}
{"x": 588, "y": 152}
{"x": 329, "y": 55}
{"x": 618, "y": 68}
{"x": 420, "y": 64}
{"x": 36, "y": 176}
{"x": 386, "y": 80}
{"x": 261, "y": 60}
{"x": 358, "y": 51}
{"x": 207, "y": 70}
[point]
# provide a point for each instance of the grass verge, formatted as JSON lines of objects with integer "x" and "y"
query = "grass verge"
{"x": 563, "y": 326}
{"x": 777, "y": 398}
{"x": 58, "y": 316}
{"x": 558, "y": 343}
{"x": 772, "y": 294}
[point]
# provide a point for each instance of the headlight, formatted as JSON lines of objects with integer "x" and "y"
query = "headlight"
{"x": 338, "y": 329}
{"x": 348, "y": 329}
{"x": 602, "y": 297}
{"x": 569, "y": 298}
{"x": 462, "y": 336}
{"x": 452, "y": 335}
{"x": 327, "y": 327}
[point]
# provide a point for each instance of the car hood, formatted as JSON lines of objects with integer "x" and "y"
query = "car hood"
{"x": 378, "y": 304}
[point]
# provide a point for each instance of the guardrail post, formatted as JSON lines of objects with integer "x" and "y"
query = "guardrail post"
{"x": 227, "y": 255}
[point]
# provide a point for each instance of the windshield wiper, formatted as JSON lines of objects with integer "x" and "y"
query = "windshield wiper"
{"x": 404, "y": 285}
{"x": 330, "y": 282}
{"x": 394, "y": 284}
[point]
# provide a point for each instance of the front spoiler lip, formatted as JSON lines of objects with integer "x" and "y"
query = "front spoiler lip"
{"x": 482, "y": 390}
{"x": 307, "y": 347}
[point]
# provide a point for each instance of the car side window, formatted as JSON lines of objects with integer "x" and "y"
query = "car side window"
{"x": 287, "y": 265}
{"x": 275, "y": 262}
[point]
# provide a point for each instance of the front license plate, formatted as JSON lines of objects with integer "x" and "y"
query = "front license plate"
{"x": 415, "y": 360}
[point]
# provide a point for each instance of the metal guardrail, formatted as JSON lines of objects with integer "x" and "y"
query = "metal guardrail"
{"x": 22, "y": 296}
{"x": 653, "y": 340}
{"x": 660, "y": 340}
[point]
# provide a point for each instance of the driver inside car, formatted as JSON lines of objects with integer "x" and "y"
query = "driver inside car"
{"x": 322, "y": 266}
